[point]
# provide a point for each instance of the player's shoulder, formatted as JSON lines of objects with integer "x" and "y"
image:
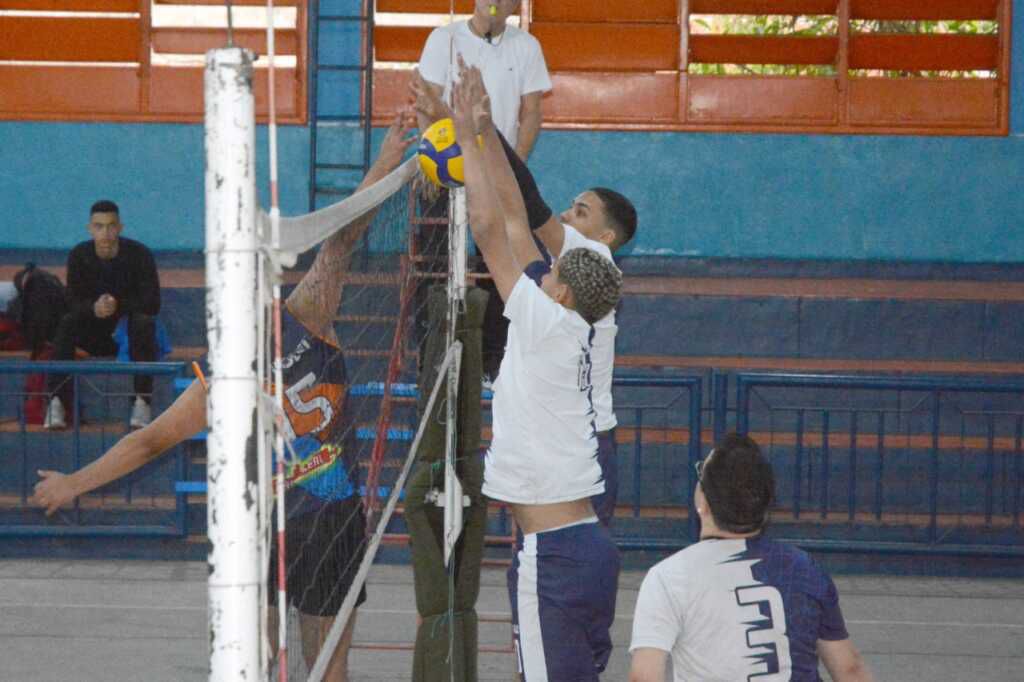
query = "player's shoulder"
{"x": 695, "y": 559}
{"x": 788, "y": 563}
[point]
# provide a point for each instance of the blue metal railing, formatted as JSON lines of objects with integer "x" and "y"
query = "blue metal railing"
{"x": 929, "y": 495}
{"x": 868, "y": 464}
{"x": 19, "y": 519}
{"x": 681, "y": 409}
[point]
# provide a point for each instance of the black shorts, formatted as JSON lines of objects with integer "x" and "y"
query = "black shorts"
{"x": 324, "y": 550}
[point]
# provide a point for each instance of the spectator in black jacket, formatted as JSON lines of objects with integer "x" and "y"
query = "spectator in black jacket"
{"x": 109, "y": 277}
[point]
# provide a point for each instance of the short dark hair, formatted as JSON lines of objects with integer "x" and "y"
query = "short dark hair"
{"x": 105, "y": 206}
{"x": 621, "y": 214}
{"x": 739, "y": 484}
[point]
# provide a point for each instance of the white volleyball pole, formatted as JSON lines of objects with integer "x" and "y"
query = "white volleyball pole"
{"x": 232, "y": 489}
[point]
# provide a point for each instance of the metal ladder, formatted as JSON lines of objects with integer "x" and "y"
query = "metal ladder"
{"x": 338, "y": 177}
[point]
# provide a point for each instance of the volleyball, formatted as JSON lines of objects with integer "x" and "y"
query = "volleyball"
{"x": 440, "y": 155}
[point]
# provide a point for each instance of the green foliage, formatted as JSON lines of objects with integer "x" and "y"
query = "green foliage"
{"x": 825, "y": 25}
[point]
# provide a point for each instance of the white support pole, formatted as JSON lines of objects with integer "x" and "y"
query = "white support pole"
{"x": 231, "y": 325}
{"x": 458, "y": 226}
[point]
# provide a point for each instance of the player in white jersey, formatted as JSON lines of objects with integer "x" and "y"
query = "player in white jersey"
{"x": 543, "y": 454}
{"x": 736, "y": 606}
{"x": 599, "y": 219}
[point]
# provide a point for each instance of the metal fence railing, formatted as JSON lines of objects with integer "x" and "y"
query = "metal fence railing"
{"x": 891, "y": 464}
{"x": 145, "y": 503}
{"x": 867, "y": 464}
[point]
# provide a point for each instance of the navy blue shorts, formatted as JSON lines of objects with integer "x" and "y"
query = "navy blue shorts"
{"x": 562, "y": 585}
{"x": 607, "y": 457}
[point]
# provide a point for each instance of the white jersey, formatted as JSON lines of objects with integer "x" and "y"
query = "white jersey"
{"x": 544, "y": 444}
{"x": 604, "y": 338}
{"x": 512, "y": 65}
{"x": 738, "y": 609}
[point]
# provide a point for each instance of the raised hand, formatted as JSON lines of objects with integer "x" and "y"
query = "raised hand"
{"x": 426, "y": 101}
{"x": 473, "y": 81}
{"x": 399, "y": 137}
{"x": 462, "y": 116}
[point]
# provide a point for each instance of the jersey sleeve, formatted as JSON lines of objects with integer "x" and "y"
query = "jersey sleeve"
{"x": 656, "y": 625}
{"x": 433, "y": 64}
{"x": 535, "y": 74}
{"x": 832, "y": 627}
{"x": 532, "y": 311}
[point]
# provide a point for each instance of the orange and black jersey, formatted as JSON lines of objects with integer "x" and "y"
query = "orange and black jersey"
{"x": 321, "y": 436}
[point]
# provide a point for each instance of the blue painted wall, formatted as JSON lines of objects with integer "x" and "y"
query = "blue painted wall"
{"x": 894, "y": 198}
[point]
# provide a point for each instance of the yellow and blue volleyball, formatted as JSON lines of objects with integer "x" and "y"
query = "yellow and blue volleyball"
{"x": 440, "y": 155}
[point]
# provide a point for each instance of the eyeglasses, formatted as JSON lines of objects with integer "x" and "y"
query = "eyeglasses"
{"x": 698, "y": 466}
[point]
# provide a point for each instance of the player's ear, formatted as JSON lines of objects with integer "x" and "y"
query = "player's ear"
{"x": 563, "y": 294}
{"x": 607, "y": 237}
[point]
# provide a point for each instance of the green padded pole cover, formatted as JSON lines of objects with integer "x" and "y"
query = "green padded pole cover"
{"x": 425, "y": 520}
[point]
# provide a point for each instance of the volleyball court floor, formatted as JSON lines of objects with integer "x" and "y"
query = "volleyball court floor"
{"x": 115, "y": 621}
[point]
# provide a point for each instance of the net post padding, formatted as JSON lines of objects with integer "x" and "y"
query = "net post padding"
{"x": 425, "y": 520}
{"x": 453, "y": 356}
{"x": 234, "y": 584}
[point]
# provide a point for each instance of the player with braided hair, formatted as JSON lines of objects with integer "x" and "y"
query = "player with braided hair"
{"x": 543, "y": 454}
{"x": 599, "y": 219}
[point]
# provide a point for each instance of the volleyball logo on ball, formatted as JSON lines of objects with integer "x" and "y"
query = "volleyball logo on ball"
{"x": 440, "y": 155}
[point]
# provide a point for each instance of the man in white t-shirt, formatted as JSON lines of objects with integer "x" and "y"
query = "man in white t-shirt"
{"x": 543, "y": 455}
{"x": 516, "y": 77}
{"x": 510, "y": 60}
{"x": 737, "y": 606}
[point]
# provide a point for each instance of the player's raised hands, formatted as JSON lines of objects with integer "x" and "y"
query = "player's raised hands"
{"x": 425, "y": 100}
{"x": 462, "y": 115}
{"x": 471, "y": 78}
{"x": 399, "y": 137}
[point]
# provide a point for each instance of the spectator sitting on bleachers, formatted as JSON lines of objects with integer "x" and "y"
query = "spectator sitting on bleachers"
{"x": 108, "y": 277}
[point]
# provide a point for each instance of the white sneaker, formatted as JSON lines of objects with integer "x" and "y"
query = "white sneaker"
{"x": 141, "y": 414}
{"x": 55, "y": 415}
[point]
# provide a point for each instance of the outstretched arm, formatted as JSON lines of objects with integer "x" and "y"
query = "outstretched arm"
{"x": 315, "y": 299}
{"x": 485, "y": 213}
{"x": 184, "y": 418}
{"x": 524, "y": 249}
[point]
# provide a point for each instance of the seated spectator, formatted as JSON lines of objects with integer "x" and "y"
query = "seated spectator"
{"x": 108, "y": 278}
{"x": 735, "y": 605}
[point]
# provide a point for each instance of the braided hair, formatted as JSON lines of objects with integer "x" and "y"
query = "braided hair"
{"x": 595, "y": 282}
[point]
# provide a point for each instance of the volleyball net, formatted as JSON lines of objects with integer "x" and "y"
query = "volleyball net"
{"x": 314, "y": 407}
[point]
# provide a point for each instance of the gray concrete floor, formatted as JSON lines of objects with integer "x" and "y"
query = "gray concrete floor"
{"x": 116, "y": 621}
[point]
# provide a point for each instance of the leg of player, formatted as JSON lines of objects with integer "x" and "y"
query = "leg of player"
{"x": 314, "y": 632}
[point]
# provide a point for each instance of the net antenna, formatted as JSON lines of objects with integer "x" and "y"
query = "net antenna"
{"x": 453, "y": 500}
{"x": 278, "y": 427}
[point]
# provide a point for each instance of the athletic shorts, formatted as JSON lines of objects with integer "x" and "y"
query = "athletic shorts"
{"x": 562, "y": 586}
{"x": 324, "y": 549}
{"x": 607, "y": 457}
